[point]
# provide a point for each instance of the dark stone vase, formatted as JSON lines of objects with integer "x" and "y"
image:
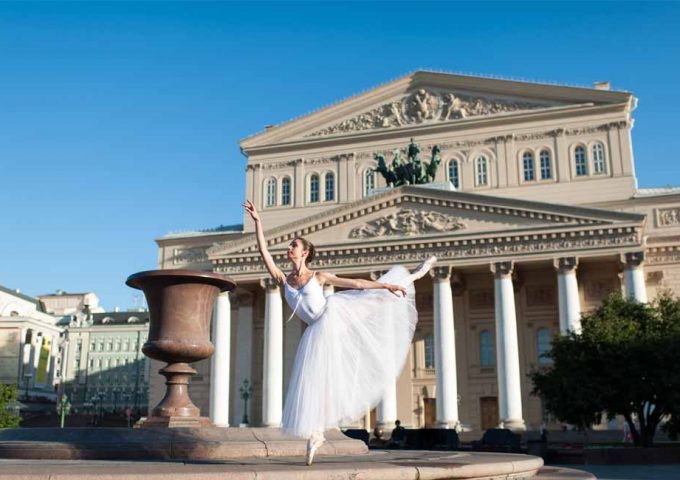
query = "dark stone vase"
{"x": 180, "y": 309}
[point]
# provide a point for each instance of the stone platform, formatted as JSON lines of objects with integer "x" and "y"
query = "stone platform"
{"x": 376, "y": 465}
{"x": 194, "y": 444}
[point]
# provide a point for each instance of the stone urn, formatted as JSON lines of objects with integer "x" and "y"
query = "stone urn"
{"x": 180, "y": 309}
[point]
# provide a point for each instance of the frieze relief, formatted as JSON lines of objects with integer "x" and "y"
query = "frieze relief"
{"x": 190, "y": 255}
{"x": 407, "y": 222}
{"x": 453, "y": 251}
{"x": 426, "y": 106}
{"x": 668, "y": 217}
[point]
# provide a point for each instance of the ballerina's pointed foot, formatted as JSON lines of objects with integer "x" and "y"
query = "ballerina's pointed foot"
{"x": 313, "y": 444}
{"x": 424, "y": 267}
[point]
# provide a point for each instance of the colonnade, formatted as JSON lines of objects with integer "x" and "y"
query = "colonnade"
{"x": 507, "y": 346}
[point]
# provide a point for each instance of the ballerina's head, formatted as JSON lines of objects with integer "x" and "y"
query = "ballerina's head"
{"x": 301, "y": 249}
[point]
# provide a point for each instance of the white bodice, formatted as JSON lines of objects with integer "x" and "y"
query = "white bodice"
{"x": 307, "y": 302}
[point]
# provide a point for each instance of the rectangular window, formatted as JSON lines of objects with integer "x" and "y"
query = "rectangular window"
{"x": 529, "y": 174}
{"x": 285, "y": 192}
{"x": 546, "y": 168}
{"x": 482, "y": 172}
{"x": 330, "y": 187}
{"x": 454, "y": 176}
{"x": 429, "y": 351}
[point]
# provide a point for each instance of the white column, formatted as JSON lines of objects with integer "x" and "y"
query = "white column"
{"x": 509, "y": 386}
{"x": 219, "y": 363}
{"x": 568, "y": 298}
{"x": 386, "y": 411}
{"x": 445, "y": 349}
{"x": 244, "y": 359}
{"x": 272, "y": 381}
{"x": 634, "y": 276}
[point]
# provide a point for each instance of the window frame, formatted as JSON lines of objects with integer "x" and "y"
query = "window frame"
{"x": 601, "y": 161}
{"x": 456, "y": 163}
{"x": 270, "y": 191}
{"x": 528, "y": 160}
{"x": 482, "y": 159}
{"x": 312, "y": 191}
{"x": 332, "y": 185}
{"x": 584, "y": 160}
{"x": 368, "y": 172}
{"x": 286, "y": 181}
{"x": 549, "y": 163}
{"x": 487, "y": 350}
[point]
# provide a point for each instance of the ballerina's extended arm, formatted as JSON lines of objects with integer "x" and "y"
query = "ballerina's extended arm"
{"x": 358, "y": 283}
{"x": 274, "y": 271}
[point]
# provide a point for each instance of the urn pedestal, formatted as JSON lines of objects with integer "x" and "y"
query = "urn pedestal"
{"x": 180, "y": 309}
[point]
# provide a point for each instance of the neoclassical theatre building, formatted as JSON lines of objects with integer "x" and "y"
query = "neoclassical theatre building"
{"x": 534, "y": 213}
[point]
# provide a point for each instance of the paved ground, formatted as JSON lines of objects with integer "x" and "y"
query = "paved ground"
{"x": 632, "y": 472}
{"x": 378, "y": 465}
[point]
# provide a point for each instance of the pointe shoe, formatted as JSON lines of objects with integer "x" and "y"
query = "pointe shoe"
{"x": 423, "y": 268}
{"x": 313, "y": 445}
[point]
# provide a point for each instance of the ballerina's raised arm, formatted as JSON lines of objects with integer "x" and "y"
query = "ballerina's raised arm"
{"x": 273, "y": 270}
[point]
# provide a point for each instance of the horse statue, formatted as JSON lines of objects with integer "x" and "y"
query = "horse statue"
{"x": 431, "y": 170}
{"x": 384, "y": 170}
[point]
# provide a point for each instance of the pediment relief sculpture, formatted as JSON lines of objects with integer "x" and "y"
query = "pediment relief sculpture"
{"x": 426, "y": 106}
{"x": 407, "y": 222}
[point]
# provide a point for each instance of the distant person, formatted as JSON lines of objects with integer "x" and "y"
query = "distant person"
{"x": 398, "y": 438}
{"x": 340, "y": 367}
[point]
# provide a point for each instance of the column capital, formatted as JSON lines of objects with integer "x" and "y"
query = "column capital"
{"x": 269, "y": 283}
{"x": 243, "y": 298}
{"x": 633, "y": 259}
{"x": 441, "y": 273}
{"x": 502, "y": 269}
{"x": 565, "y": 264}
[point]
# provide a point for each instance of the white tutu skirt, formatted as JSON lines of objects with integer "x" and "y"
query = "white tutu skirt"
{"x": 347, "y": 358}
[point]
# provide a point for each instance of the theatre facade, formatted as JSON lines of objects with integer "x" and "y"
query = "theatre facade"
{"x": 533, "y": 212}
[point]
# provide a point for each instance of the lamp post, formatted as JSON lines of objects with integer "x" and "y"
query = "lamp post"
{"x": 115, "y": 391}
{"x": 63, "y": 408}
{"x": 27, "y": 380}
{"x": 245, "y": 390}
{"x": 94, "y": 401}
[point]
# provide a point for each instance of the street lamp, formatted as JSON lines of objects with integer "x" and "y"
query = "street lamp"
{"x": 27, "y": 380}
{"x": 63, "y": 408}
{"x": 115, "y": 391}
{"x": 245, "y": 390}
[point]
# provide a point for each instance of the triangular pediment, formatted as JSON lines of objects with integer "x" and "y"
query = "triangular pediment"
{"x": 417, "y": 214}
{"x": 429, "y": 98}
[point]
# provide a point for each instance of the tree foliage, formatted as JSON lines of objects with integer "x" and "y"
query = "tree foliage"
{"x": 8, "y": 393}
{"x": 624, "y": 362}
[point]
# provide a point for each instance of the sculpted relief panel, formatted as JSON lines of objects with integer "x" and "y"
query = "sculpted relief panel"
{"x": 668, "y": 217}
{"x": 426, "y": 106}
{"x": 407, "y": 222}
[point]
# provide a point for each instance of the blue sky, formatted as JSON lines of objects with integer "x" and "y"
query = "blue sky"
{"x": 120, "y": 122}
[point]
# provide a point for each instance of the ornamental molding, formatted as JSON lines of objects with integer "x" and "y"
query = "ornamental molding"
{"x": 190, "y": 255}
{"x": 424, "y": 106}
{"x": 662, "y": 255}
{"x": 407, "y": 222}
{"x": 484, "y": 249}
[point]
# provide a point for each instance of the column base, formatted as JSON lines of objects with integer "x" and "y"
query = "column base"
{"x": 449, "y": 425}
{"x": 514, "y": 424}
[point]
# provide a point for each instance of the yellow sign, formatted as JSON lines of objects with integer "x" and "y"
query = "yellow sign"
{"x": 41, "y": 375}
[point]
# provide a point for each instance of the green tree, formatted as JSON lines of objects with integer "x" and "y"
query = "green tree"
{"x": 8, "y": 393}
{"x": 624, "y": 362}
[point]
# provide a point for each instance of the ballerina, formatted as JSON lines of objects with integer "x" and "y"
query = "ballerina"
{"x": 355, "y": 344}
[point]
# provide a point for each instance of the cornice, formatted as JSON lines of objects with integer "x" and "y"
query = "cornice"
{"x": 584, "y": 242}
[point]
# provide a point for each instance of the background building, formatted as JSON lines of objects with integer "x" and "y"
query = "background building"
{"x": 31, "y": 347}
{"x": 534, "y": 213}
{"x": 105, "y": 368}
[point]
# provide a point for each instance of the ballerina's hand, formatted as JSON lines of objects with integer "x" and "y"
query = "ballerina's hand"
{"x": 250, "y": 208}
{"x": 395, "y": 289}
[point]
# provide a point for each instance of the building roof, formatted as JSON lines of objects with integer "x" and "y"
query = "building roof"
{"x": 22, "y": 296}
{"x": 225, "y": 229}
{"x": 656, "y": 192}
{"x": 120, "y": 318}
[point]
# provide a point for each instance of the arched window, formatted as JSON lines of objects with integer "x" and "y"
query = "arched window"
{"x": 369, "y": 181}
{"x": 429, "y": 351}
{"x": 487, "y": 355}
{"x": 580, "y": 161}
{"x": 330, "y": 187}
{"x": 529, "y": 170}
{"x": 482, "y": 168}
{"x": 546, "y": 167}
{"x": 598, "y": 158}
{"x": 271, "y": 192}
{"x": 543, "y": 346}
{"x": 314, "y": 188}
{"x": 285, "y": 191}
{"x": 454, "y": 173}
